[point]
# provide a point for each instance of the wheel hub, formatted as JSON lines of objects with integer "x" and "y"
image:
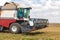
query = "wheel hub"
{"x": 14, "y": 28}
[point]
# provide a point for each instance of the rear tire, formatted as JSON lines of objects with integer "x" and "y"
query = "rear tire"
{"x": 15, "y": 28}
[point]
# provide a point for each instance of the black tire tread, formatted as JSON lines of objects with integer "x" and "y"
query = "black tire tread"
{"x": 18, "y": 28}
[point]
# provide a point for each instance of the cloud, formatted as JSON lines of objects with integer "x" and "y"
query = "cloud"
{"x": 43, "y": 9}
{"x": 47, "y": 9}
{"x": 2, "y": 2}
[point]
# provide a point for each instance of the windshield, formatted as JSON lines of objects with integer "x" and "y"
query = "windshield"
{"x": 26, "y": 13}
{"x": 23, "y": 12}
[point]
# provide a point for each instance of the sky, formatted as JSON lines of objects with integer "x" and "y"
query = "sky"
{"x": 2, "y": 2}
{"x": 46, "y": 9}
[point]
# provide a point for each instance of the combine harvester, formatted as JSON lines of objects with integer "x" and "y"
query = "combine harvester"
{"x": 17, "y": 19}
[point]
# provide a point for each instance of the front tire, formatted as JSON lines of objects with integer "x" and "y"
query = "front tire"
{"x": 15, "y": 28}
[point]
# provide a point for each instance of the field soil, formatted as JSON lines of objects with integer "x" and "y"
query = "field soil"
{"x": 52, "y": 32}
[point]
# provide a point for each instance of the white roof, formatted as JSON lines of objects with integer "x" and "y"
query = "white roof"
{"x": 22, "y": 6}
{"x": 2, "y": 2}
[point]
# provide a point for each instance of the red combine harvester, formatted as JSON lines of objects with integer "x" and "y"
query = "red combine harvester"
{"x": 17, "y": 20}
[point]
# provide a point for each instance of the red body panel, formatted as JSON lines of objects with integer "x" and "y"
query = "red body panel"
{"x": 6, "y": 22}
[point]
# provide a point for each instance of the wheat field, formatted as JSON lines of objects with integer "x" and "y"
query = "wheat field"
{"x": 52, "y": 32}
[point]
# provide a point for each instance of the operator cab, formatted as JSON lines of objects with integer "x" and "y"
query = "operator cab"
{"x": 23, "y": 12}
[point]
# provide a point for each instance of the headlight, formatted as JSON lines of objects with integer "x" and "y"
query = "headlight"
{"x": 31, "y": 23}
